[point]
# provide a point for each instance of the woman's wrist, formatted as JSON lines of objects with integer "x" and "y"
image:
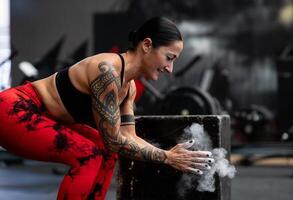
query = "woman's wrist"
{"x": 167, "y": 156}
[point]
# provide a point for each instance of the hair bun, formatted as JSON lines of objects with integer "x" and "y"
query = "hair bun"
{"x": 131, "y": 36}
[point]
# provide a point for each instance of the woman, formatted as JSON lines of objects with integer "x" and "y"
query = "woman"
{"x": 83, "y": 116}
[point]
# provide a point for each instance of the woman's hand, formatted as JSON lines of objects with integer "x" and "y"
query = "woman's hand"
{"x": 188, "y": 161}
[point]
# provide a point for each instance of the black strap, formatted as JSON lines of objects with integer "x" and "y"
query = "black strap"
{"x": 127, "y": 118}
{"x": 122, "y": 70}
{"x": 122, "y": 76}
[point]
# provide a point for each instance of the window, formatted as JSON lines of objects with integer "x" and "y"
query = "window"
{"x": 5, "y": 63}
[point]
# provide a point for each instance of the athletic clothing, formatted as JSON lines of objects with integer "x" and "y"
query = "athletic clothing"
{"x": 78, "y": 104}
{"x": 72, "y": 99}
{"x": 27, "y": 130}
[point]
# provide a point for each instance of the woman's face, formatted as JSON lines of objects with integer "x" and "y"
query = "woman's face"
{"x": 160, "y": 60}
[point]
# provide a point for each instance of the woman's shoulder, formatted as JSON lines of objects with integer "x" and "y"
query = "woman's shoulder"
{"x": 103, "y": 59}
{"x": 109, "y": 58}
{"x": 100, "y": 63}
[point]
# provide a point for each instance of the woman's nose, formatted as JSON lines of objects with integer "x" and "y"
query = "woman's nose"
{"x": 169, "y": 68}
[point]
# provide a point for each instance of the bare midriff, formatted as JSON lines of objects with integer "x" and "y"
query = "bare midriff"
{"x": 78, "y": 73}
{"x": 47, "y": 91}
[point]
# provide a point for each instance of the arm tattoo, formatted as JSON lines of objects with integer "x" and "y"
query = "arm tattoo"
{"x": 153, "y": 154}
{"x": 108, "y": 107}
{"x": 105, "y": 104}
{"x": 147, "y": 153}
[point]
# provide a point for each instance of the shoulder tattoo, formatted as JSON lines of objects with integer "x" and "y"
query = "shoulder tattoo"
{"x": 104, "y": 90}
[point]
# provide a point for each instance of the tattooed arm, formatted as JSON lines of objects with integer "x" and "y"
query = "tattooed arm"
{"x": 127, "y": 125}
{"x": 107, "y": 115}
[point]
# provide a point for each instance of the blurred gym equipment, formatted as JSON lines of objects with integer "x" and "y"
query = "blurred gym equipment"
{"x": 45, "y": 66}
{"x": 285, "y": 93}
{"x": 50, "y": 62}
{"x": 183, "y": 100}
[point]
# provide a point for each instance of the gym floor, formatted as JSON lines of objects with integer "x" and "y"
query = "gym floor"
{"x": 36, "y": 180}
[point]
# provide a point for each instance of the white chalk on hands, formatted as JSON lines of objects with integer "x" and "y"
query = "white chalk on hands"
{"x": 188, "y": 144}
{"x": 199, "y": 172}
{"x": 209, "y": 154}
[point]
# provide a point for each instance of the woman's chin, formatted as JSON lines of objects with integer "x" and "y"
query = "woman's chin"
{"x": 152, "y": 77}
{"x": 155, "y": 77}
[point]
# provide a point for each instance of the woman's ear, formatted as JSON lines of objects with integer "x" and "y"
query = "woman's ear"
{"x": 147, "y": 45}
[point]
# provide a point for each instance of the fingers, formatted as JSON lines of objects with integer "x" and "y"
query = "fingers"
{"x": 195, "y": 168}
{"x": 182, "y": 148}
{"x": 194, "y": 171}
{"x": 195, "y": 162}
{"x": 188, "y": 144}
{"x": 195, "y": 156}
{"x": 204, "y": 154}
{"x": 198, "y": 154}
{"x": 201, "y": 166}
{"x": 203, "y": 160}
{"x": 200, "y": 160}
{"x": 202, "y": 163}
{"x": 198, "y": 165}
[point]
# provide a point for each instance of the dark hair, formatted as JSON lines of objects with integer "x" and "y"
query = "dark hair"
{"x": 162, "y": 32}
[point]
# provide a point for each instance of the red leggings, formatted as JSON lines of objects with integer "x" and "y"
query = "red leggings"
{"x": 27, "y": 130}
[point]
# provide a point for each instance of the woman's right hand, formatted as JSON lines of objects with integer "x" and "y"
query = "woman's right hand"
{"x": 188, "y": 161}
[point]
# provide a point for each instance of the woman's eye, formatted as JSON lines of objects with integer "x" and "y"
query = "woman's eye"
{"x": 169, "y": 58}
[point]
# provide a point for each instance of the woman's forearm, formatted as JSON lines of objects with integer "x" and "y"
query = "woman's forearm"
{"x": 136, "y": 148}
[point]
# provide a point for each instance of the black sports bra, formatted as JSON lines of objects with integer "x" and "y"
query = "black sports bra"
{"x": 78, "y": 104}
